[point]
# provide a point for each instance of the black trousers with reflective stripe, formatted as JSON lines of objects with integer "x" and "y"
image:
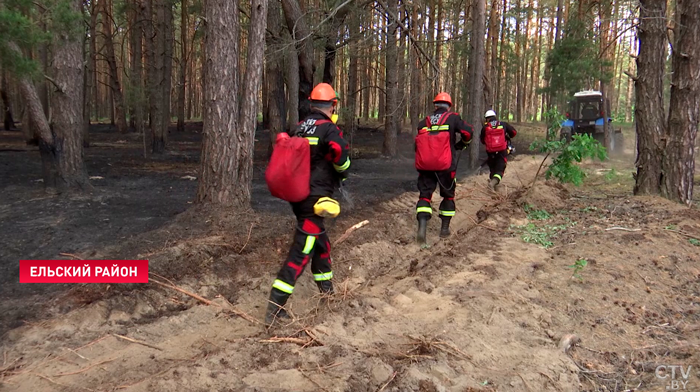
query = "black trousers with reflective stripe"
{"x": 497, "y": 163}
{"x": 310, "y": 244}
{"x": 427, "y": 182}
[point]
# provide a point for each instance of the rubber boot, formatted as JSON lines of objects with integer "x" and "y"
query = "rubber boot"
{"x": 445, "y": 229}
{"x": 275, "y": 308}
{"x": 493, "y": 183}
{"x": 422, "y": 228}
{"x": 325, "y": 287}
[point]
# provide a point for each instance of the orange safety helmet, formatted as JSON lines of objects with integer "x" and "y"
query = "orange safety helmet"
{"x": 443, "y": 97}
{"x": 323, "y": 92}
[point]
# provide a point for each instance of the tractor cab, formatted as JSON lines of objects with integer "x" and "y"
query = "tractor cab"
{"x": 587, "y": 114}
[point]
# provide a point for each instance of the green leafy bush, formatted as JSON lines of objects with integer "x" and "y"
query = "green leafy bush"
{"x": 564, "y": 167}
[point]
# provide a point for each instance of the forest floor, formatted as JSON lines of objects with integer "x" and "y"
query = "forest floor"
{"x": 498, "y": 306}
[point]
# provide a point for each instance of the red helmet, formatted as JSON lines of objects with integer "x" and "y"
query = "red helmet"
{"x": 323, "y": 92}
{"x": 443, "y": 97}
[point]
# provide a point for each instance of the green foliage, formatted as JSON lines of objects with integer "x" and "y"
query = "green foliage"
{"x": 553, "y": 119}
{"x": 540, "y": 235}
{"x": 578, "y": 267}
{"x": 694, "y": 241}
{"x": 535, "y": 214}
{"x": 573, "y": 63}
{"x": 564, "y": 167}
{"x": 25, "y": 24}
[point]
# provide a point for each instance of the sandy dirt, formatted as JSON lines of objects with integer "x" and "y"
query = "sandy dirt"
{"x": 497, "y": 306}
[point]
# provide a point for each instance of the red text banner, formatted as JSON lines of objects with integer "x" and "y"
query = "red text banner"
{"x": 83, "y": 271}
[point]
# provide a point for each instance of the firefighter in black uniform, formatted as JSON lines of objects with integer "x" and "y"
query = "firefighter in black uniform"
{"x": 329, "y": 162}
{"x": 496, "y": 135}
{"x": 442, "y": 120}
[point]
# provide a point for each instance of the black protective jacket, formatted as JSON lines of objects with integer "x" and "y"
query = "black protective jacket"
{"x": 330, "y": 153}
{"x": 460, "y": 131}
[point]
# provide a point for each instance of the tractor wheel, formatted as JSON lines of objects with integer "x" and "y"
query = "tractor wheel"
{"x": 618, "y": 140}
{"x": 565, "y": 134}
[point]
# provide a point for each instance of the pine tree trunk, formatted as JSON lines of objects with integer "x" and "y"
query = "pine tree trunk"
{"x": 156, "y": 38}
{"x": 168, "y": 66}
{"x": 679, "y": 159}
{"x": 136, "y": 39}
{"x": 219, "y": 182}
{"x": 92, "y": 63}
{"x": 298, "y": 28}
{"x": 276, "y": 109}
{"x": 476, "y": 75}
{"x": 182, "y": 89}
{"x": 649, "y": 113}
{"x": 518, "y": 59}
{"x": 416, "y": 79}
{"x": 8, "y": 119}
{"x": 498, "y": 104}
{"x": 352, "y": 95}
{"x": 389, "y": 147}
{"x": 115, "y": 84}
{"x": 292, "y": 89}
{"x": 492, "y": 59}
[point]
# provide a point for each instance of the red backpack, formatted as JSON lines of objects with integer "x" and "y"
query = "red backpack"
{"x": 289, "y": 171}
{"x": 434, "y": 145}
{"x": 495, "y": 138}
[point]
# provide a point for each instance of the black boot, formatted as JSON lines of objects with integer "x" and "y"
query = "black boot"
{"x": 445, "y": 229}
{"x": 325, "y": 287}
{"x": 275, "y": 309}
{"x": 422, "y": 228}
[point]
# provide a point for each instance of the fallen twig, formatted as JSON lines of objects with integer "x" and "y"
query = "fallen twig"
{"x": 393, "y": 376}
{"x": 684, "y": 234}
{"x": 349, "y": 231}
{"x": 484, "y": 226}
{"x": 70, "y": 255}
{"x": 621, "y": 228}
{"x": 128, "y": 339}
{"x": 312, "y": 380}
{"x": 299, "y": 341}
{"x": 83, "y": 369}
{"x": 183, "y": 291}
{"x": 248, "y": 239}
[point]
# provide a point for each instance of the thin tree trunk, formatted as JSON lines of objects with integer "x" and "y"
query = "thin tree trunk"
{"x": 498, "y": 105}
{"x": 182, "y": 89}
{"x": 354, "y": 30}
{"x": 292, "y": 89}
{"x": 138, "y": 98}
{"x": 117, "y": 96}
{"x": 389, "y": 147}
{"x": 168, "y": 24}
{"x": 476, "y": 75}
{"x": 276, "y": 111}
{"x": 297, "y": 25}
{"x": 679, "y": 158}
{"x": 8, "y": 119}
{"x": 92, "y": 64}
{"x": 649, "y": 113}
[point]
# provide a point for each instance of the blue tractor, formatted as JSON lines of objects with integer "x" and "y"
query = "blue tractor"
{"x": 585, "y": 115}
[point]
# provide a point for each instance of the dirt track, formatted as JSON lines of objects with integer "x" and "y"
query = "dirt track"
{"x": 481, "y": 311}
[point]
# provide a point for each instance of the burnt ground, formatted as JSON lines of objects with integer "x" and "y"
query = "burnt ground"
{"x": 133, "y": 195}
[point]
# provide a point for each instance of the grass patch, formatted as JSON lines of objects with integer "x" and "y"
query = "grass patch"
{"x": 540, "y": 235}
{"x": 535, "y": 214}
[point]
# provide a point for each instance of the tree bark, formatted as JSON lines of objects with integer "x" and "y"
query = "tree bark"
{"x": 156, "y": 39}
{"x": 679, "y": 159}
{"x": 354, "y": 30}
{"x": 416, "y": 79}
{"x": 292, "y": 89}
{"x": 476, "y": 75}
{"x": 276, "y": 110}
{"x": 92, "y": 63}
{"x": 169, "y": 36}
{"x": 115, "y": 84}
{"x": 227, "y": 153}
{"x": 649, "y": 112}
{"x": 8, "y": 119}
{"x": 182, "y": 90}
{"x": 220, "y": 145}
{"x": 297, "y": 25}
{"x": 389, "y": 148}
{"x": 136, "y": 37}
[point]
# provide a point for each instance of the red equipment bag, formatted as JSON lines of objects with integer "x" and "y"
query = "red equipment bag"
{"x": 434, "y": 148}
{"x": 495, "y": 138}
{"x": 289, "y": 171}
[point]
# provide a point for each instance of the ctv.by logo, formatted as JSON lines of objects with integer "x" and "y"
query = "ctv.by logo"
{"x": 678, "y": 380}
